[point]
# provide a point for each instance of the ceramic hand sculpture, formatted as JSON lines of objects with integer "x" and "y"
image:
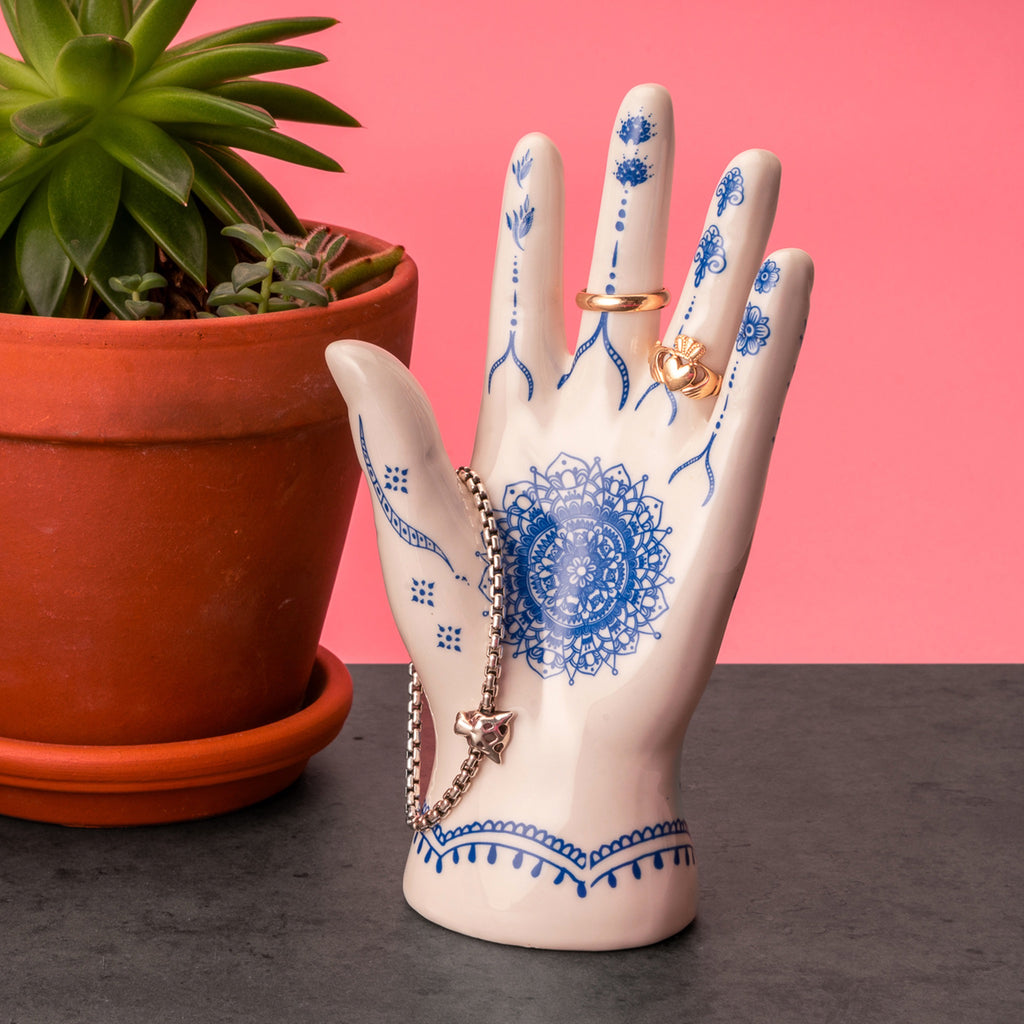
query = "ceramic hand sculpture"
{"x": 625, "y": 509}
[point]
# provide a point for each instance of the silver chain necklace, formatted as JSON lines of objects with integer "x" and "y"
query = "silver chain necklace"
{"x": 488, "y": 732}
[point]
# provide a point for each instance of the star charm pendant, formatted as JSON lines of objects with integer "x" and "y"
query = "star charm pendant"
{"x": 490, "y": 734}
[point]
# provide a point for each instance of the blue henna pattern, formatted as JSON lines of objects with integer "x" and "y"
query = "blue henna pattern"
{"x": 510, "y": 353}
{"x": 704, "y": 455}
{"x": 730, "y": 189}
{"x": 396, "y": 479}
{"x": 671, "y": 398}
{"x": 767, "y": 277}
{"x": 538, "y": 849}
{"x": 521, "y": 168}
{"x": 413, "y": 537}
{"x": 635, "y": 129}
{"x": 632, "y": 170}
{"x": 449, "y": 638}
{"x": 585, "y": 560}
{"x": 601, "y": 331}
{"x": 520, "y": 221}
{"x": 654, "y": 843}
{"x": 754, "y": 333}
{"x": 710, "y": 255}
{"x": 423, "y": 592}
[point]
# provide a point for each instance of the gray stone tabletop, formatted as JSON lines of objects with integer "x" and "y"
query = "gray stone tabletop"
{"x": 859, "y": 832}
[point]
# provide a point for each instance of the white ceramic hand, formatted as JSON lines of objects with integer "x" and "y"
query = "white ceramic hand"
{"x": 626, "y": 514}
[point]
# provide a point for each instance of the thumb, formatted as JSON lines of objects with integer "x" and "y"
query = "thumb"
{"x": 428, "y": 529}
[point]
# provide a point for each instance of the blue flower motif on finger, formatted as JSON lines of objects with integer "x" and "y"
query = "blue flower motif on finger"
{"x": 730, "y": 190}
{"x": 520, "y": 221}
{"x": 585, "y": 560}
{"x": 767, "y": 277}
{"x": 710, "y": 255}
{"x": 632, "y": 170}
{"x": 635, "y": 129}
{"x": 754, "y": 331}
{"x": 522, "y": 167}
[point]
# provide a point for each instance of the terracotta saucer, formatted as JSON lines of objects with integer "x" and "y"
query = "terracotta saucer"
{"x": 155, "y": 783}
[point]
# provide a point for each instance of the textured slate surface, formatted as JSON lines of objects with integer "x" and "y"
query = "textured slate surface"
{"x": 858, "y": 831}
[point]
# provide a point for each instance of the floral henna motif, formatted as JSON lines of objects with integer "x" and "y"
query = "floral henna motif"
{"x": 585, "y": 559}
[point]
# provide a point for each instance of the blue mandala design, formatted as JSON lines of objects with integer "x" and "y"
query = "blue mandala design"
{"x": 585, "y": 560}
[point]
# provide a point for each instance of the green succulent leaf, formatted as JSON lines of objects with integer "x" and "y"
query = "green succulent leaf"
{"x": 50, "y": 121}
{"x": 219, "y": 192}
{"x": 19, "y": 160}
{"x": 262, "y": 193}
{"x": 211, "y": 67}
{"x": 148, "y": 151}
{"x": 176, "y": 103}
{"x": 245, "y": 275}
{"x": 271, "y": 31}
{"x": 12, "y": 291}
{"x": 84, "y": 196}
{"x": 297, "y": 258}
{"x": 303, "y": 291}
{"x": 108, "y": 17}
{"x": 43, "y": 266}
{"x": 144, "y": 309}
{"x": 248, "y": 234}
{"x": 16, "y": 75}
{"x": 11, "y": 202}
{"x": 43, "y": 28}
{"x": 129, "y": 250}
{"x": 178, "y": 230}
{"x": 13, "y": 100}
{"x": 259, "y": 140}
{"x": 94, "y": 69}
{"x": 155, "y": 26}
{"x": 286, "y": 102}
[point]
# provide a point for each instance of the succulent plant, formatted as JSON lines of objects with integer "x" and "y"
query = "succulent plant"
{"x": 117, "y": 148}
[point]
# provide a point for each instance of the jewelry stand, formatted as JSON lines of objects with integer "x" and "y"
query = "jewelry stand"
{"x": 596, "y": 545}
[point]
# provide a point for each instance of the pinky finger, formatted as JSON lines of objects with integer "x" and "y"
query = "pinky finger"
{"x": 760, "y": 367}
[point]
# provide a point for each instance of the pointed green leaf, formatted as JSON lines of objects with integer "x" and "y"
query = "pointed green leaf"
{"x": 155, "y": 26}
{"x": 15, "y": 75}
{"x": 11, "y": 17}
{"x": 43, "y": 28}
{"x": 220, "y": 193}
{"x": 211, "y": 67}
{"x": 147, "y": 151}
{"x": 106, "y": 17}
{"x": 259, "y": 140}
{"x": 51, "y": 121}
{"x": 95, "y": 69}
{"x": 13, "y": 100}
{"x": 272, "y": 204}
{"x": 286, "y": 102}
{"x": 12, "y": 292}
{"x": 271, "y": 31}
{"x": 84, "y": 194}
{"x": 178, "y": 230}
{"x": 297, "y": 258}
{"x": 12, "y": 200}
{"x": 43, "y": 265}
{"x": 129, "y": 250}
{"x": 19, "y": 160}
{"x": 178, "y": 104}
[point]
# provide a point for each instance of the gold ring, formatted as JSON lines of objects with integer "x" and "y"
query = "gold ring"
{"x": 678, "y": 366}
{"x": 638, "y": 303}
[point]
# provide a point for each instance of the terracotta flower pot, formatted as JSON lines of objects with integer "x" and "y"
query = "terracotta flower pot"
{"x": 174, "y": 497}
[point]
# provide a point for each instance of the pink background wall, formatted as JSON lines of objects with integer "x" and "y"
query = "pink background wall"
{"x": 891, "y": 528}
